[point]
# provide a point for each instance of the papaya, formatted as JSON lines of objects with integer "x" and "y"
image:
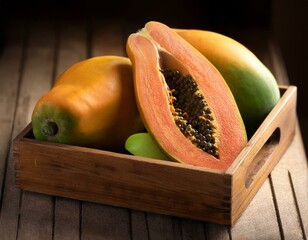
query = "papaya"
{"x": 253, "y": 85}
{"x": 183, "y": 100}
{"x": 92, "y": 104}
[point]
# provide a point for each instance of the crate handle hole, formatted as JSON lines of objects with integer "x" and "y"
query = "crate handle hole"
{"x": 262, "y": 156}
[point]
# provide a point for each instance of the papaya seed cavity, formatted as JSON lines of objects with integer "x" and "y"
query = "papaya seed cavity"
{"x": 190, "y": 111}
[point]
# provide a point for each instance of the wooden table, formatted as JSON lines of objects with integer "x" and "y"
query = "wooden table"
{"x": 35, "y": 53}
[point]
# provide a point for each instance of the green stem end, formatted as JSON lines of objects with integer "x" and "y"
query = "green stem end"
{"x": 50, "y": 128}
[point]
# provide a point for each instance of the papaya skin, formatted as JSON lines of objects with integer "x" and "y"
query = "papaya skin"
{"x": 254, "y": 87}
{"x": 91, "y": 104}
{"x": 156, "y": 47}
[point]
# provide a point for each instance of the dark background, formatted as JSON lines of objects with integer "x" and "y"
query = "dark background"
{"x": 284, "y": 20}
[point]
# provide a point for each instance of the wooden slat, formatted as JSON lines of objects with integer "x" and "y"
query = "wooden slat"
{"x": 259, "y": 221}
{"x": 66, "y": 218}
{"x": 36, "y": 80}
{"x": 215, "y": 231}
{"x": 284, "y": 197}
{"x": 192, "y": 229}
{"x": 139, "y": 225}
{"x": 71, "y": 44}
{"x": 291, "y": 175}
{"x": 36, "y": 216}
{"x": 71, "y": 47}
{"x": 11, "y": 67}
{"x": 298, "y": 176}
{"x": 161, "y": 227}
{"x": 99, "y": 221}
{"x": 107, "y": 38}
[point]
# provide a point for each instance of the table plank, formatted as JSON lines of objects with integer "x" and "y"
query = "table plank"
{"x": 255, "y": 219}
{"x": 107, "y": 38}
{"x": 299, "y": 180}
{"x": 11, "y": 66}
{"x": 160, "y": 227}
{"x": 104, "y": 222}
{"x": 72, "y": 44}
{"x": 35, "y": 79}
{"x": 36, "y": 210}
{"x": 36, "y": 216}
{"x": 192, "y": 229}
{"x": 215, "y": 231}
{"x": 71, "y": 47}
{"x": 291, "y": 176}
{"x": 67, "y": 219}
{"x": 139, "y": 225}
{"x": 283, "y": 183}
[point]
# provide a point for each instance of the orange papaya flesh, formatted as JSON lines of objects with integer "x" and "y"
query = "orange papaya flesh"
{"x": 156, "y": 53}
{"x": 91, "y": 104}
{"x": 254, "y": 87}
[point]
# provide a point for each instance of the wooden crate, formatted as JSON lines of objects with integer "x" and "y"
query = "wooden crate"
{"x": 153, "y": 185}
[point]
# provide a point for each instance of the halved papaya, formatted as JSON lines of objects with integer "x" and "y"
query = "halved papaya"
{"x": 183, "y": 100}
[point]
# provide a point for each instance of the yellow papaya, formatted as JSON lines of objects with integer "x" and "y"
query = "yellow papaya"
{"x": 91, "y": 104}
{"x": 254, "y": 87}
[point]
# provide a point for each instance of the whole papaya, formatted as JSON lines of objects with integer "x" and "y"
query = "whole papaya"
{"x": 254, "y": 87}
{"x": 91, "y": 104}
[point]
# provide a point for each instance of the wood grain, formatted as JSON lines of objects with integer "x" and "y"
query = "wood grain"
{"x": 71, "y": 47}
{"x": 291, "y": 175}
{"x": 36, "y": 79}
{"x": 139, "y": 225}
{"x": 10, "y": 82}
{"x": 10, "y": 67}
{"x": 104, "y": 221}
{"x": 254, "y": 224}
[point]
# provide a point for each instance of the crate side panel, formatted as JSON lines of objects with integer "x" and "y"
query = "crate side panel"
{"x": 282, "y": 121}
{"x": 116, "y": 179}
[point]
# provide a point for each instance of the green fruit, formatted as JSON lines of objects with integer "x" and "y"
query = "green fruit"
{"x": 143, "y": 145}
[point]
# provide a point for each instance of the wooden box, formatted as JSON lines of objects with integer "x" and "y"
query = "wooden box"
{"x": 153, "y": 185}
